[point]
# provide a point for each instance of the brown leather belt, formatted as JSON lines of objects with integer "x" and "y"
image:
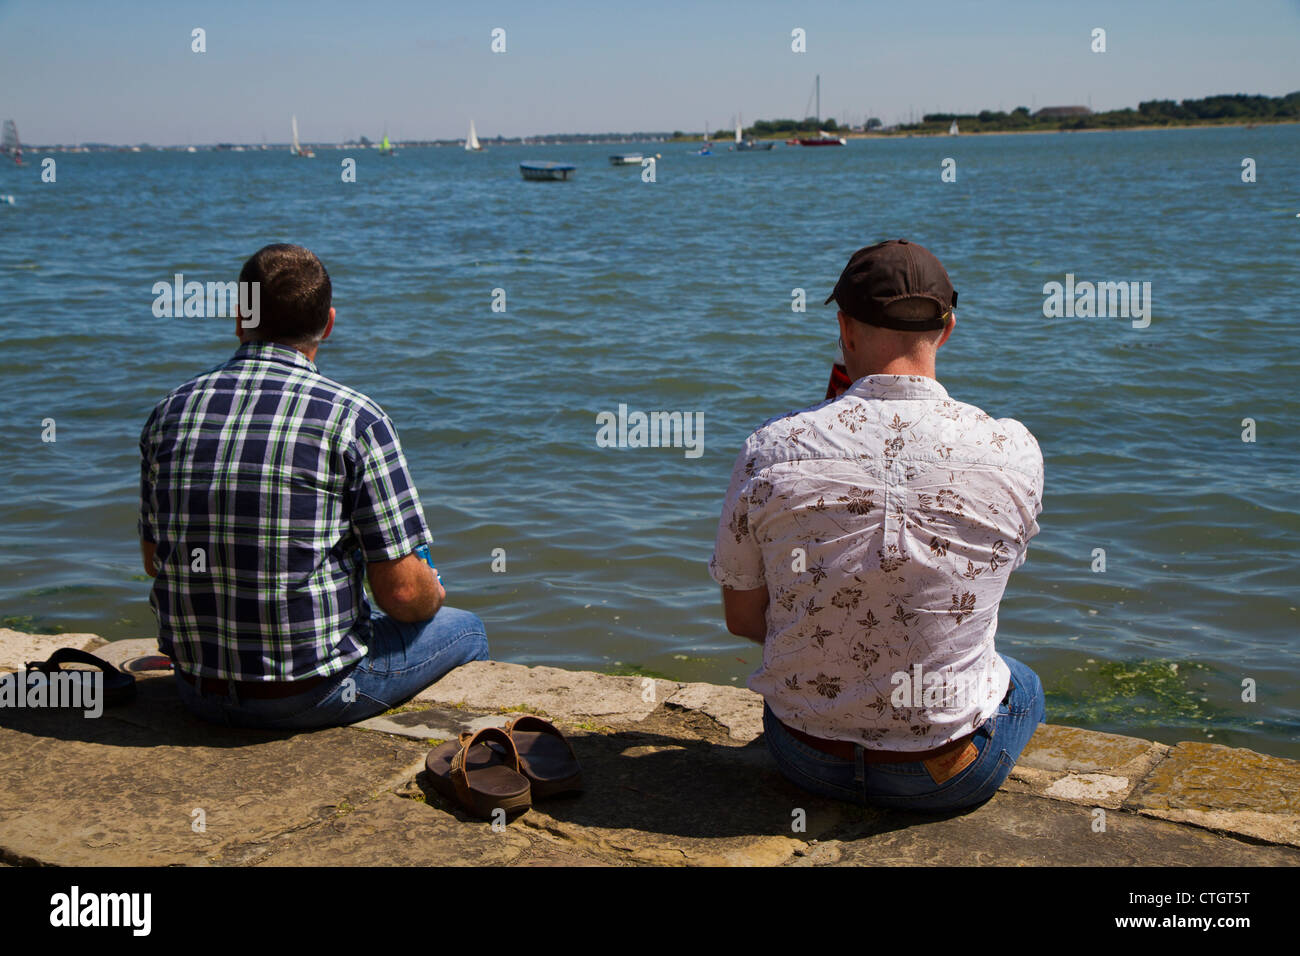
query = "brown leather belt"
{"x": 844, "y": 748}
{"x": 255, "y": 689}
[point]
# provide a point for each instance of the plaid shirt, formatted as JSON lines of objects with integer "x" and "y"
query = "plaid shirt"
{"x": 263, "y": 484}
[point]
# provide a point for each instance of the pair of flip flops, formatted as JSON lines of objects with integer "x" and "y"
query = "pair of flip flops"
{"x": 495, "y": 769}
{"x": 119, "y": 688}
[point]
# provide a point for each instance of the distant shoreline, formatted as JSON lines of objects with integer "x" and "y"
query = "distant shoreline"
{"x": 1090, "y": 129}
{"x": 944, "y": 134}
{"x": 603, "y": 139}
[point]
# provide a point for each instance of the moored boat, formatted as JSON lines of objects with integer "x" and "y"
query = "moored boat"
{"x": 626, "y": 159}
{"x": 822, "y": 138}
{"x": 540, "y": 171}
{"x": 743, "y": 145}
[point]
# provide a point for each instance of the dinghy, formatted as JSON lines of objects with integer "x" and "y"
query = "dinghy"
{"x": 538, "y": 171}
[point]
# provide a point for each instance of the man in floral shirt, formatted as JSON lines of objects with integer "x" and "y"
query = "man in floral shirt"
{"x": 866, "y": 542}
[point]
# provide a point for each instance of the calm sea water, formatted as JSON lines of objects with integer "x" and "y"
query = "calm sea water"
{"x": 676, "y": 296}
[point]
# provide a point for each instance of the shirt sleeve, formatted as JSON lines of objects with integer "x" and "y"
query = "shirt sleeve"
{"x": 1031, "y": 500}
{"x": 386, "y": 512}
{"x": 737, "y": 561}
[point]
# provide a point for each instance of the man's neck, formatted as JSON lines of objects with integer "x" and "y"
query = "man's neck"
{"x": 309, "y": 352}
{"x": 896, "y": 366}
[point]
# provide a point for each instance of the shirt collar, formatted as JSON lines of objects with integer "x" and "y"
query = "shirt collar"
{"x": 272, "y": 352}
{"x": 897, "y": 387}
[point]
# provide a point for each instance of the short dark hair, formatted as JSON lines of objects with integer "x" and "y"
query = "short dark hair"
{"x": 294, "y": 293}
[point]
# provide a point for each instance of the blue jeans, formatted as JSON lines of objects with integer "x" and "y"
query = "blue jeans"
{"x": 909, "y": 786}
{"x": 403, "y": 660}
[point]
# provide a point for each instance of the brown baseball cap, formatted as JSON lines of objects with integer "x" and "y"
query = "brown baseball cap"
{"x": 894, "y": 271}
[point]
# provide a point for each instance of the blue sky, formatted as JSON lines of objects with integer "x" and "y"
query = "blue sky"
{"x": 123, "y": 72}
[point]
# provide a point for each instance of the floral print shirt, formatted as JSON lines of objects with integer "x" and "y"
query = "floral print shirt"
{"x": 884, "y": 525}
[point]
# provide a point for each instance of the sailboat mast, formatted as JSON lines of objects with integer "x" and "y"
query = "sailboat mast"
{"x": 819, "y": 100}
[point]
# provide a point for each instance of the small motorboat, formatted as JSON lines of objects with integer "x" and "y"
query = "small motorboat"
{"x": 539, "y": 171}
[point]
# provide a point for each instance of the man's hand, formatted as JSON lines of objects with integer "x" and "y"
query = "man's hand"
{"x": 746, "y": 612}
{"x": 406, "y": 589}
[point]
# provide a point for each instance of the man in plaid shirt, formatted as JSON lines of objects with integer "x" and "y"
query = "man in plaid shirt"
{"x": 267, "y": 493}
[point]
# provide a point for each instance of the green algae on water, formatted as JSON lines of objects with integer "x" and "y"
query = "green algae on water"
{"x": 1134, "y": 691}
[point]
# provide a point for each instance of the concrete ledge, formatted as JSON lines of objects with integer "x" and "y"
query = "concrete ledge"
{"x": 18, "y": 648}
{"x": 489, "y": 685}
{"x": 676, "y": 774}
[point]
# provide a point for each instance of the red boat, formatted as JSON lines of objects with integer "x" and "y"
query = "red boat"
{"x": 823, "y": 140}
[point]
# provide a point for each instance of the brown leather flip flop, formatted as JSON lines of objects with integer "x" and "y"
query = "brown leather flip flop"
{"x": 480, "y": 771}
{"x": 545, "y": 757}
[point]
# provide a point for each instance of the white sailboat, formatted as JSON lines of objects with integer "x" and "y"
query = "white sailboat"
{"x": 296, "y": 149}
{"x": 822, "y": 138}
{"x": 471, "y": 142}
{"x": 748, "y": 145}
{"x": 9, "y": 144}
{"x": 952, "y": 130}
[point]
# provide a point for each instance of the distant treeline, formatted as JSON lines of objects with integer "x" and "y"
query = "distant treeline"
{"x": 1225, "y": 108}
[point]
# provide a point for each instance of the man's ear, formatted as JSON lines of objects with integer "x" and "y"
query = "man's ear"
{"x": 847, "y": 342}
{"x": 952, "y": 323}
{"x": 329, "y": 326}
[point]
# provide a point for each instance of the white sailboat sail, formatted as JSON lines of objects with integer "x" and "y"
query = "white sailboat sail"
{"x": 296, "y": 149}
{"x": 952, "y": 130}
{"x": 9, "y": 144}
{"x": 738, "y": 124}
{"x": 472, "y": 141}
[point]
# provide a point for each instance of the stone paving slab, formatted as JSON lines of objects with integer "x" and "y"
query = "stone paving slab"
{"x": 1083, "y": 766}
{"x": 738, "y": 709}
{"x": 493, "y": 685}
{"x": 1224, "y": 788}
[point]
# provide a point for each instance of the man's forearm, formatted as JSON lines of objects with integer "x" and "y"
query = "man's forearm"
{"x": 406, "y": 589}
{"x": 746, "y": 613}
{"x": 147, "y": 549}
